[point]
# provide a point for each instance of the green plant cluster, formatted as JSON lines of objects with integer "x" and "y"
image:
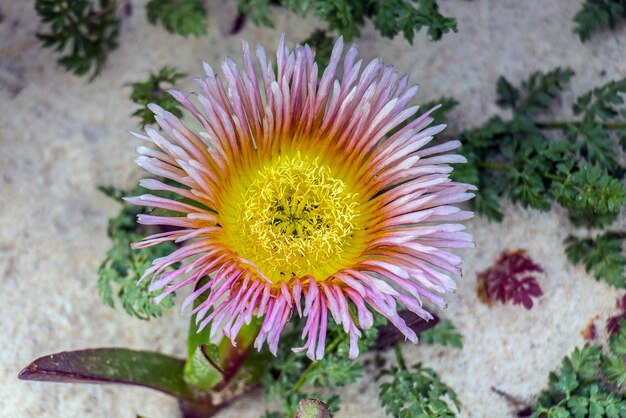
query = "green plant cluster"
{"x": 416, "y": 392}
{"x": 443, "y": 334}
{"x": 598, "y": 14}
{"x": 571, "y": 163}
{"x": 292, "y": 376}
{"x": 122, "y": 267}
{"x": 579, "y": 171}
{"x": 601, "y": 255}
{"x": 347, "y": 17}
{"x": 588, "y": 384}
{"x": 153, "y": 90}
{"x": 84, "y": 31}
{"x": 184, "y": 17}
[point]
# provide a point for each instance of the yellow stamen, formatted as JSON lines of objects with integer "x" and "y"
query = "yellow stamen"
{"x": 294, "y": 218}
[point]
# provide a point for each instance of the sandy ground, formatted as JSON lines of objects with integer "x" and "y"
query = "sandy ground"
{"x": 61, "y": 136}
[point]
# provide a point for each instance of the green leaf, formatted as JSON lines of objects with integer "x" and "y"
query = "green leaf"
{"x": 592, "y": 196}
{"x": 580, "y": 388}
{"x": 392, "y": 17}
{"x": 334, "y": 371}
{"x": 416, "y": 393}
{"x": 444, "y": 333}
{"x": 184, "y": 17}
{"x": 112, "y": 365}
{"x": 598, "y": 14}
{"x": 289, "y": 372}
{"x": 257, "y": 10}
{"x": 584, "y": 362}
{"x": 566, "y": 382}
{"x": 617, "y": 342}
{"x": 540, "y": 89}
{"x": 614, "y": 369}
{"x": 602, "y": 256}
{"x": 579, "y": 406}
{"x": 153, "y": 90}
{"x": 347, "y": 17}
{"x": 602, "y": 102}
{"x": 122, "y": 267}
{"x": 202, "y": 369}
{"x": 508, "y": 95}
{"x": 594, "y": 143}
{"x": 559, "y": 412}
{"x": 84, "y": 31}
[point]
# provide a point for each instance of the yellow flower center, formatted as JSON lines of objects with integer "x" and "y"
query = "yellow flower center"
{"x": 294, "y": 218}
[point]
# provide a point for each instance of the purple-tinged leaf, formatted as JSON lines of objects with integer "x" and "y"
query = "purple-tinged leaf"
{"x": 521, "y": 291}
{"x": 112, "y": 365}
{"x": 312, "y": 408}
{"x": 613, "y": 323}
{"x": 503, "y": 281}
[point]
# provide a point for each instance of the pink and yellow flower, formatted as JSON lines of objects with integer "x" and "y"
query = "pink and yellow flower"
{"x": 297, "y": 195}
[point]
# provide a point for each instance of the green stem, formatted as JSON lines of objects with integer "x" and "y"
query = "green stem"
{"x": 563, "y": 124}
{"x": 399, "y": 356}
{"x": 551, "y": 176}
{"x": 313, "y": 365}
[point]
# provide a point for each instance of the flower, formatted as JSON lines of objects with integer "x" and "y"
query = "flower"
{"x": 296, "y": 195}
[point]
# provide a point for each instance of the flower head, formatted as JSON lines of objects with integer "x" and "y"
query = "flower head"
{"x": 296, "y": 195}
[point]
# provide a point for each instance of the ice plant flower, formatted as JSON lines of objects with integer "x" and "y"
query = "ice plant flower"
{"x": 298, "y": 196}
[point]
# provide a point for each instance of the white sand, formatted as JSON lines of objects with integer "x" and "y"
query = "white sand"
{"x": 61, "y": 136}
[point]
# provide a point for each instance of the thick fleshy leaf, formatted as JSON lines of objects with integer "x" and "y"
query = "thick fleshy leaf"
{"x": 312, "y": 408}
{"x": 202, "y": 370}
{"x": 112, "y": 365}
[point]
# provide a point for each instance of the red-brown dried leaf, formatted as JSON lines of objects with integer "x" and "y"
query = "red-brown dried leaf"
{"x": 589, "y": 333}
{"x": 509, "y": 280}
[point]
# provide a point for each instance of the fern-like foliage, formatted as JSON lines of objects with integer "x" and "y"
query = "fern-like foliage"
{"x": 122, "y": 267}
{"x": 293, "y": 377}
{"x": 588, "y": 383}
{"x": 598, "y": 14}
{"x": 601, "y": 256}
{"x": 84, "y": 31}
{"x": 518, "y": 158}
{"x": 444, "y": 333}
{"x": 184, "y": 17}
{"x": 417, "y": 392}
{"x": 347, "y": 17}
{"x": 153, "y": 90}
